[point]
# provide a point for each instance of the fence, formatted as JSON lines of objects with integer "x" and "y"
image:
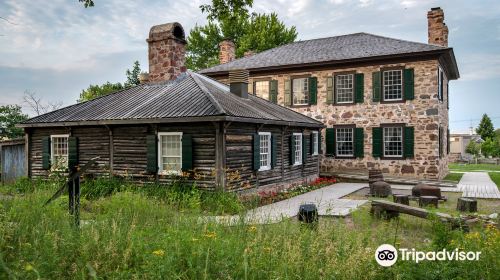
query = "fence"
{"x": 12, "y": 160}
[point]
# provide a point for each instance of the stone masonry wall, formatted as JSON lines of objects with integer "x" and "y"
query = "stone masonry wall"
{"x": 425, "y": 113}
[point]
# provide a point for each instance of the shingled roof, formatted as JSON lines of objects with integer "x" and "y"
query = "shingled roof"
{"x": 191, "y": 97}
{"x": 351, "y": 47}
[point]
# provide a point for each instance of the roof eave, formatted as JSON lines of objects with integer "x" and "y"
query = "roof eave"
{"x": 169, "y": 120}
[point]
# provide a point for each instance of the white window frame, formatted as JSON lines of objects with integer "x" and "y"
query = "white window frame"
{"x": 269, "y": 152}
{"x": 384, "y": 85}
{"x": 267, "y": 90}
{"x": 305, "y": 92}
{"x": 440, "y": 84}
{"x": 337, "y": 141}
{"x": 348, "y": 76}
{"x": 298, "y": 155}
{"x": 160, "y": 156}
{"x": 315, "y": 143}
{"x": 402, "y": 142}
{"x": 52, "y": 159}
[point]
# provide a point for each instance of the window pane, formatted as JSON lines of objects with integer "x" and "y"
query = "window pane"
{"x": 298, "y": 149}
{"x": 262, "y": 89}
{"x": 344, "y": 87}
{"x": 300, "y": 91}
{"x": 344, "y": 141}
{"x": 59, "y": 150}
{"x": 170, "y": 152}
{"x": 315, "y": 143}
{"x": 393, "y": 85}
{"x": 393, "y": 141}
{"x": 265, "y": 150}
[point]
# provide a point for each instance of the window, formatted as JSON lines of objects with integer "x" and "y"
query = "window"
{"x": 393, "y": 141}
{"x": 262, "y": 89}
{"x": 170, "y": 152}
{"x": 393, "y": 85}
{"x": 298, "y": 148}
{"x": 315, "y": 143}
{"x": 265, "y": 150}
{"x": 440, "y": 84}
{"x": 59, "y": 150}
{"x": 344, "y": 142}
{"x": 300, "y": 91}
{"x": 344, "y": 88}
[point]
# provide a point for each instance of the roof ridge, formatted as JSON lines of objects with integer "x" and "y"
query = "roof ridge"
{"x": 403, "y": 40}
{"x": 206, "y": 92}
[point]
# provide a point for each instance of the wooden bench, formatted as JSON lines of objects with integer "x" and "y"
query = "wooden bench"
{"x": 382, "y": 208}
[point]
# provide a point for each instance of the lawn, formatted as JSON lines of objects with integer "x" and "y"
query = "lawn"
{"x": 495, "y": 176}
{"x": 473, "y": 167}
{"x": 152, "y": 233}
{"x": 454, "y": 177}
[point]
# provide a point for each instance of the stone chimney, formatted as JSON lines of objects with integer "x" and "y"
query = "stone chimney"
{"x": 238, "y": 82}
{"x": 167, "y": 49}
{"x": 227, "y": 51}
{"x": 437, "y": 29}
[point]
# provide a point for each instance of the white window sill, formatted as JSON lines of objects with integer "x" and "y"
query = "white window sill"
{"x": 170, "y": 173}
{"x": 297, "y": 163}
{"x": 265, "y": 168}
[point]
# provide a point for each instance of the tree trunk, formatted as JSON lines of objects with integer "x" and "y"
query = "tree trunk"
{"x": 428, "y": 201}
{"x": 466, "y": 204}
{"x": 402, "y": 199}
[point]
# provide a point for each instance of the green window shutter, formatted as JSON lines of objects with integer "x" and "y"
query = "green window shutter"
{"x": 46, "y": 152}
{"x": 313, "y": 90}
{"x": 273, "y": 91}
{"x": 274, "y": 150}
{"x": 288, "y": 92}
{"x": 359, "y": 140}
{"x": 330, "y": 141}
{"x": 377, "y": 142}
{"x": 408, "y": 80}
{"x": 256, "y": 151}
{"x": 72, "y": 152}
{"x": 329, "y": 90}
{"x": 187, "y": 152}
{"x": 320, "y": 151}
{"x": 152, "y": 154}
{"x": 311, "y": 143}
{"x": 292, "y": 150}
{"x": 359, "y": 86}
{"x": 305, "y": 145}
{"x": 376, "y": 86}
{"x": 409, "y": 142}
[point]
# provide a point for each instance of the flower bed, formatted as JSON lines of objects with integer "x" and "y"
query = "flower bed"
{"x": 268, "y": 197}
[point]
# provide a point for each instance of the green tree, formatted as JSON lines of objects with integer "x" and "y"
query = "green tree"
{"x": 486, "y": 129}
{"x": 94, "y": 91}
{"x": 490, "y": 147}
{"x": 10, "y": 115}
{"x": 87, "y": 3}
{"x": 473, "y": 148}
{"x": 231, "y": 19}
{"x": 133, "y": 76}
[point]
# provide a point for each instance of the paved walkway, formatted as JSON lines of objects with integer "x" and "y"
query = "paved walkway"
{"x": 327, "y": 199}
{"x": 479, "y": 185}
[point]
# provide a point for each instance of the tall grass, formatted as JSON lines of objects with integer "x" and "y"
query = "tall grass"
{"x": 130, "y": 234}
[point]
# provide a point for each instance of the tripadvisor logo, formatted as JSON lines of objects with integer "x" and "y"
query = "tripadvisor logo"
{"x": 387, "y": 255}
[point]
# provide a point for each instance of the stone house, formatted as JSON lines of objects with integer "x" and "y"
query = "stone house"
{"x": 179, "y": 123}
{"x": 384, "y": 101}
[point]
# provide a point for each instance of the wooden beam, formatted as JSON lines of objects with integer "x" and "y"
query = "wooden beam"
{"x": 26, "y": 153}
{"x": 410, "y": 210}
{"x": 111, "y": 150}
{"x": 219, "y": 156}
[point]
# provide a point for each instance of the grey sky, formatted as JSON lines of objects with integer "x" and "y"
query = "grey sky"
{"x": 57, "y": 48}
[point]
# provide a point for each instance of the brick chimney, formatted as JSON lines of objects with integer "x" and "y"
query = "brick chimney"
{"x": 227, "y": 51}
{"x": 167, "y": 49}
{"x": 437, "y": 29}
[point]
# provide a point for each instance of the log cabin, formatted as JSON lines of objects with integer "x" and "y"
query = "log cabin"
{"x": 178, "y": 123}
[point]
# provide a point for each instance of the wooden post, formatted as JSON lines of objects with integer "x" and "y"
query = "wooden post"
{"x": 466, "y": 204}
{"x": 26, "y": 153}
{"x": 428, "y": 200}
{"x": 402, "y": 199}
{"x": 219, "y": 155}
{"x": 111, "y": 151}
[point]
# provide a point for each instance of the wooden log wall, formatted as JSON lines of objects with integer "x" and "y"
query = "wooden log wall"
{"x": 240, "y": 175}
{"x": 35, "y": 150}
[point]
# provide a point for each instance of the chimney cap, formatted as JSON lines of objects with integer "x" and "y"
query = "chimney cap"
{"x": 435, "y": 8}
{"x": 172, "y": 30}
